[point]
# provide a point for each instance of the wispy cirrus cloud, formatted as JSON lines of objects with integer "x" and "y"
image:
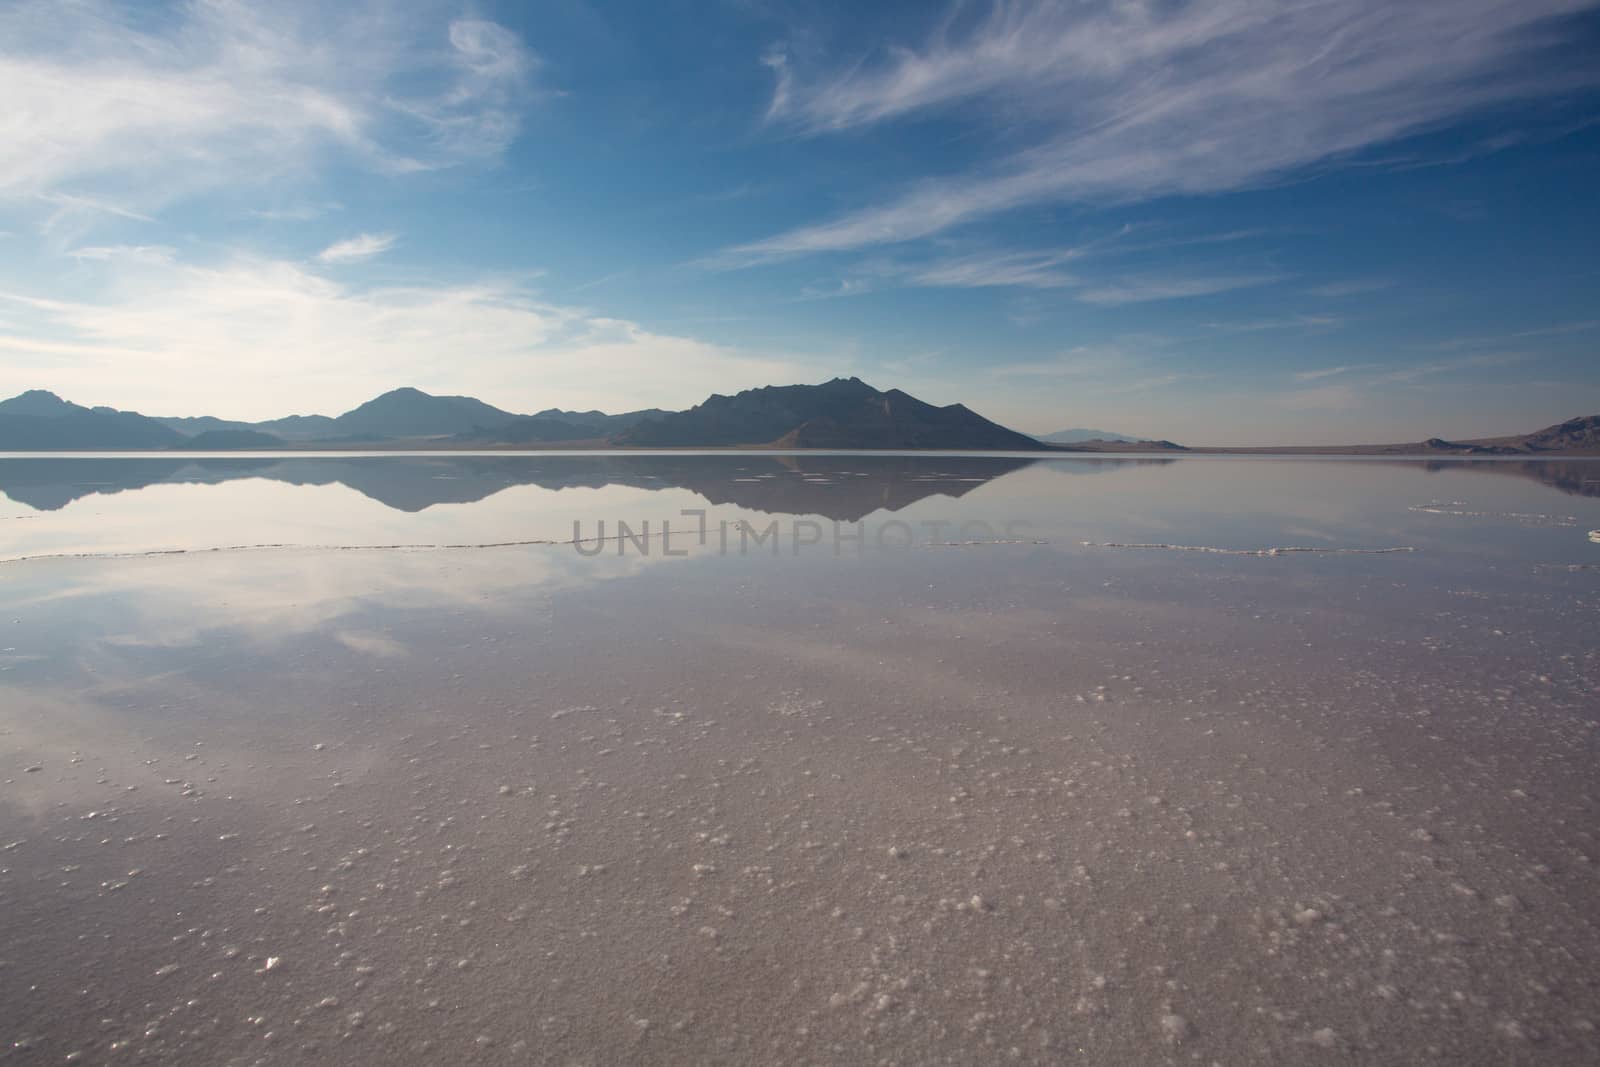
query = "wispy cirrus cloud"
{"x": 1028, "y": 269}
{"x": 362, "y": 246}
{"x": 1137, "y": 99}
{"x": 112, "y": 109}
{"x": 1286, "y": 322}
{"x": 1064, "y": 269}
{"x": 1560, "y": 329}
{"x": 1351, "y": 387}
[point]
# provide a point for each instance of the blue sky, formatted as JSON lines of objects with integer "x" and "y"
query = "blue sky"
{"x": 1240, "y": 221}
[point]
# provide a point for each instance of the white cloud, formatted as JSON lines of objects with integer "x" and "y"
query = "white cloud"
{"x": 259, "y": 338}
{"x": 110, "y": 107}
{"x": 361, "y": 246}
{"x": 1134, "y": 99}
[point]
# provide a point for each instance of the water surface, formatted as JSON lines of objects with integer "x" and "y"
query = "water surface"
{"x": 903, "y": 763}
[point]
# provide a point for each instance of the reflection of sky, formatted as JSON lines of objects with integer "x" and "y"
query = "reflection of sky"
{"x": 266, "y": 595}
{"x": 117, "y": 506}
{"x": 274, "y": 641}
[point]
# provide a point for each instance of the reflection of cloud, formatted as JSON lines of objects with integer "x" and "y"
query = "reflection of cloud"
{"x": 370, "y": 643}
{"x": 270, "y": 599}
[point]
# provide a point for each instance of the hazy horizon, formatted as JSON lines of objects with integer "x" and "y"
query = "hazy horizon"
{"x": 1263, "y": 224}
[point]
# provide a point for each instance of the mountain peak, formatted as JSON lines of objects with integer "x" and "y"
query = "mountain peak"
{"x": 37, "y": 402}
{"x": 838, "y": 413}
{"x": 409, "y": 412}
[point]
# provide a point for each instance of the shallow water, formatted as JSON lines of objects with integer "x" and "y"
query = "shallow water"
{"x": 293, "y": 771}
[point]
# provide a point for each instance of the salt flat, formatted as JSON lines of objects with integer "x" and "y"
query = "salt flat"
{"x": 284, "y": 781}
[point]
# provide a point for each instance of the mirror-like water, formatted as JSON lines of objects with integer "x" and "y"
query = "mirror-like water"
{"x": 877, "y": 759}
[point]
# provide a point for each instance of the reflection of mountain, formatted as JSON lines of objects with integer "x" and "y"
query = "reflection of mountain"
{"x": 1575, "y": 477}
{"x": 845, "y": 488}
{"x": 842, "y": 487}
{"x": 1099, "y": 465}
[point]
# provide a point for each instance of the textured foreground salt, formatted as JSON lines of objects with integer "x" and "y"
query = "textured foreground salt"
{"x": 1038, "y": 803}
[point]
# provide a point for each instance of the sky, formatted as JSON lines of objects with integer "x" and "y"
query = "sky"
{"x": 1224, "y": 222}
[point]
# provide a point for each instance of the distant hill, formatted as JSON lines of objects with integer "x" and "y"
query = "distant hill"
{"x": 842, "y": 413}
{"x": 196, "y": 424}
{"x": 397, "y": 414}
{"x": 297, "y": 427}
{"x": 1072, "y": 437}
{"x": 413, "y": 413}
{"x": 38, "y": 420}
{"x": 227, "y": 440}
{"x": 1575, "y": 437}
{"x": 1579, "y": 436}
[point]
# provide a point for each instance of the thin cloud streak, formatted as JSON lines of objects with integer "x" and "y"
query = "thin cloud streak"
{"x": 1291, "y": 322}
{"x": 362, "y": 246}
{"x": 1143, "y": 290}
{"x": 1329, "y": 372}
{"x": 1136, "y": 100}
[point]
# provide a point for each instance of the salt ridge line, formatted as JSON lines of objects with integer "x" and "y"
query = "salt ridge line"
{"x": 1457, "y": 507}
{"x": 1254, "y": 551}
{"x": 969, "y": 544}
{"x": 290, "y": 546}
{"x": 293, "y": 546}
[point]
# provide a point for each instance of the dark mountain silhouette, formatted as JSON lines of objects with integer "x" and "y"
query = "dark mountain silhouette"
{"x": 843, "y": 490}
{"x": 842, "y": 413}
{"x": 39, "y": 420}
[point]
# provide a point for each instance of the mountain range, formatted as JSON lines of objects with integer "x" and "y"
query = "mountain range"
{"x": 841, "y": 414}
{"x": 845, "y": 413}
